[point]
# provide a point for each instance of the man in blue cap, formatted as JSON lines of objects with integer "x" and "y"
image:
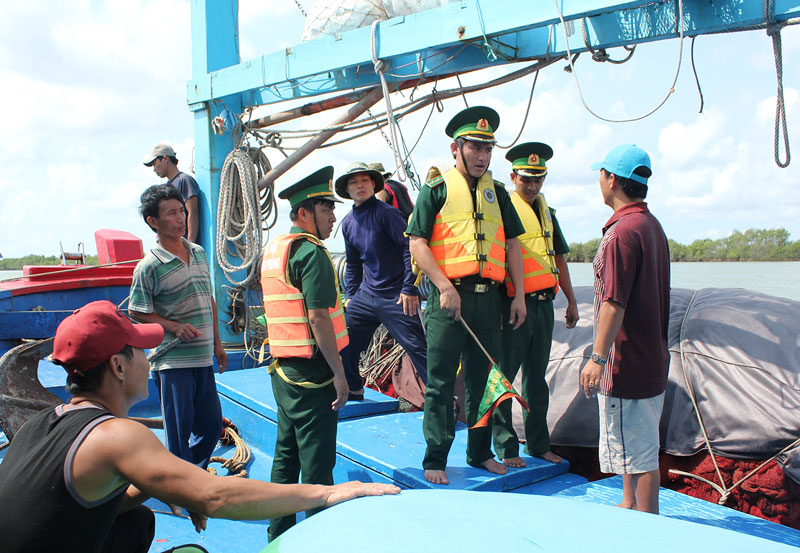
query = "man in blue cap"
{"x": 630, "y": 358}
{"x": 306, "y": 331}
{"x": 380, "y": 284}
{"x": 463, "y": 235}
{"x": 544, "y": 271}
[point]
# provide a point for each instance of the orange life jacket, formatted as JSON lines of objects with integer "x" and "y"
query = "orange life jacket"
{"x": 468, "y": 241}
{"x": 288, "y": 329}
{"x": 539, "y": 271}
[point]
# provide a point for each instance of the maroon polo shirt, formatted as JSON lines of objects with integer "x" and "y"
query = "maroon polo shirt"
{"x": 631, "y": 268}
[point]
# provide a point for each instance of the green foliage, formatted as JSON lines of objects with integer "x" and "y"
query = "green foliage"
{"x": 584, "y": 252}
{"x": 16, "y": 263}
{"x": 750, "y": 245}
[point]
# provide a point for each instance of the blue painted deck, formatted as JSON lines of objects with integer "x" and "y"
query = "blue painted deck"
{"x": 682, "y": 507}
{"x": 377, "y": 443}
{"x": 466, "y": 522}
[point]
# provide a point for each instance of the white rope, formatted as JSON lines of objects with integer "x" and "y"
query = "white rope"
{"x": 374, "y": 364}
{"x": 238, "y": 217}
{"x": 774, "y": 30}
{"x": 679, "y": 24}
{"x": 380, "y": 66}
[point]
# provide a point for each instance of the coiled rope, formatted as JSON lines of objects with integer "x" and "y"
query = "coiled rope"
{"x": 374, "y": 365}
{"x": 239, "y": 214}
{"x": 601, "y": 55}
{"x": 236, "y": 464}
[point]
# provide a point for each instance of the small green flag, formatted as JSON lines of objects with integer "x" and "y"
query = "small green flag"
{"x": 498, "y": 389}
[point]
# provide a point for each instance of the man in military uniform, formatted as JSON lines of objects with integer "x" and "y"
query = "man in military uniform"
{"x": 544, "y": 271}
{"x": 306, "y": 329}
{"x": 463, "y": 235}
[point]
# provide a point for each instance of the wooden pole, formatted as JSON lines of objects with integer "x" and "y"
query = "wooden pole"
{"x": 363, "y": 105}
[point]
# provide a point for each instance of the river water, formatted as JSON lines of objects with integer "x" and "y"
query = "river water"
{"x": 777, "y": 278}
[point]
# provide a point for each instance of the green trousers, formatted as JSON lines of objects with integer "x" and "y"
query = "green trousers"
{"x": 529, "y": 347}
{"x": 448, "y": 342}
{"x": 306, "y": 442}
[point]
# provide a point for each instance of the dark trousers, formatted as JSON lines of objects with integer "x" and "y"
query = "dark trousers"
{"x": 448, "y": 342}
{"x": 306, "y": 442}
{"x": 132, "y": 532}
{"x": 191, "y": 411}
{"x": 363, "y": 315}
{"x": 528, "y": 347}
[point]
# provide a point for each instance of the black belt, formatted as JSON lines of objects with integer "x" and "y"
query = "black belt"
{"x": 542, "y": 296}
{"x": 472, "y": 285}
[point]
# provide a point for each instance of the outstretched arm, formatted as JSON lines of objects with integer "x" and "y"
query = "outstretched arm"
{"x": 122, "y": 450}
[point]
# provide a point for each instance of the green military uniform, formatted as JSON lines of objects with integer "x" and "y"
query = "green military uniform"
{"x": 306, "y": 439}
{"x": 529, "y": 345}
{"x": 447, "y": 339}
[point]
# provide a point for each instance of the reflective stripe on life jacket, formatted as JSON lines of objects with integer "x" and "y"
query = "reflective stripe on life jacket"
{"x": 469, "y": 241}
{"x": 288, "y": 329}
{"x": 539, "y": 271}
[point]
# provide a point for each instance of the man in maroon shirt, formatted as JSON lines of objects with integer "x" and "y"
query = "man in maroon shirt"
{"x": 630, "y": 359}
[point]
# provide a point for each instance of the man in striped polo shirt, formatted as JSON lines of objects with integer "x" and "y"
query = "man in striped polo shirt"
{"x": 172, "y": 287}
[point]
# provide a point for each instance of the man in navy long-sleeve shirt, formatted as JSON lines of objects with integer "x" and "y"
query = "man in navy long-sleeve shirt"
{"x": 379, "y": 282}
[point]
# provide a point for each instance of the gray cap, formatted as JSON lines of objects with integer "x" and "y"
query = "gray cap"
{"x": 160, "y": 149}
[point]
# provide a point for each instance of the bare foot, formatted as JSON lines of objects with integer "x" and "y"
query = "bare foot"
{"x": 494, "y": 467}
{"x": 436, "y": 477}
{"x": 624, "y": 505}
{"x": 550, "y": 456}
{"x": 514, "y": 462}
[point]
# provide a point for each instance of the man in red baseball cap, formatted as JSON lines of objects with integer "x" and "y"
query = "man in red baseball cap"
{"x": 77, "y": 473}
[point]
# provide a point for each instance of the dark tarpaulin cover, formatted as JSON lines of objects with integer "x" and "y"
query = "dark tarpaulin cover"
{"x": 738, "y": 350}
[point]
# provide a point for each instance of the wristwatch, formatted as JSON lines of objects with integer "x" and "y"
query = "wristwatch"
{"x": 599, "y": 360}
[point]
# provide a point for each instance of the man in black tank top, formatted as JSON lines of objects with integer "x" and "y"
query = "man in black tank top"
{"x": 76, "y": 474}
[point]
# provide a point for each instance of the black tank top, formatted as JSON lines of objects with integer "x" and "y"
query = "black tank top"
{"x": 41, "y": 512}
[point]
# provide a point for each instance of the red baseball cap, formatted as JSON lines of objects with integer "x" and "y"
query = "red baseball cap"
{"x": 95, "y": 332}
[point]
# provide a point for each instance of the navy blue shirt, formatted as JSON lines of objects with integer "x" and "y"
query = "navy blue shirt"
{"x": 378, "y": 259}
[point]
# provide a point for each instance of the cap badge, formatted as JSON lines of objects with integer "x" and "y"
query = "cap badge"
{"x": 483, "y": 125}
{"x": 533, "y": 159}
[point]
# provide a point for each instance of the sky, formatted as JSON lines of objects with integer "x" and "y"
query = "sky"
{"x": 89, "y": 86}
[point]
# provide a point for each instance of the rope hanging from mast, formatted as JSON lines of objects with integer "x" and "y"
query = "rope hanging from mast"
{"x": 380, "y": 66}
{"x": 774, "y": 31}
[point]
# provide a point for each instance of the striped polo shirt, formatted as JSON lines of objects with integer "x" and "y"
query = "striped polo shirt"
{"x": 165, "y": 285}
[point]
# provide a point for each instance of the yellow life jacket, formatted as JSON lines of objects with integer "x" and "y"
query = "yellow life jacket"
{"x": 539, "y": 271}
{"x": 288, "y": 329}
{"x": 468, "y": 241}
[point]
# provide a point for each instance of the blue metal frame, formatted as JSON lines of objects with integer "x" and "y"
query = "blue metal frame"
{"x": 420, "y": 42}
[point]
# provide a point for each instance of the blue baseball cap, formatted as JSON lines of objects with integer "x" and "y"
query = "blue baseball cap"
{"x": 624, "y": 160}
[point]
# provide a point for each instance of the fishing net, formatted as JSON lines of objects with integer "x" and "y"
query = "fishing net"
{"x": 328, "y": 18}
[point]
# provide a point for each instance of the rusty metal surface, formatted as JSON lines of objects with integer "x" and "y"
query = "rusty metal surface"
{"x": 21, "y": 393}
